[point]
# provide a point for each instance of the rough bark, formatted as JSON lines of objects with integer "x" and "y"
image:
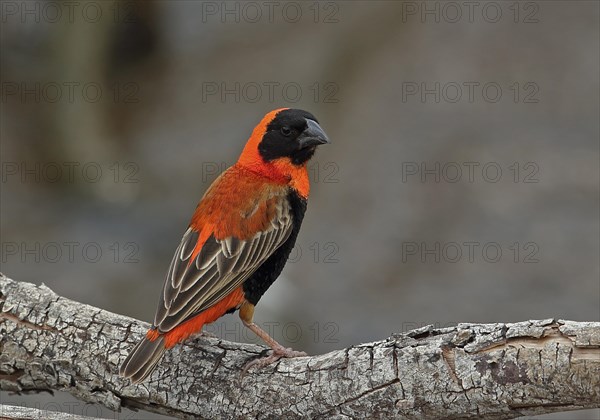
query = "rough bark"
{"x": 25, "y": 413}
{"x": 48, "y": 342}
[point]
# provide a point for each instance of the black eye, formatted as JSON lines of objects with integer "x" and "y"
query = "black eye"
{"x": 286, "y": 131}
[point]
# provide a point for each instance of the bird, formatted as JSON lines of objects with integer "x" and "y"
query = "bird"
{"x": 237, "y": 242}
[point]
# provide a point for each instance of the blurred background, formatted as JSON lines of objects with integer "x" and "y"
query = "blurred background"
{"x": 462, "y": 184}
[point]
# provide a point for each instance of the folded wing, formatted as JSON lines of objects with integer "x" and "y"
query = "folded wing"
{"x": 198, "y": 279}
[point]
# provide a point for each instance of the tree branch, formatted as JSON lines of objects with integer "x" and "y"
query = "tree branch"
{"x": 500, "y": 371}
{"x": 25, "y": 413}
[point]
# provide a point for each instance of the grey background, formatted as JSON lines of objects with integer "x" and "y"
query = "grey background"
{"x": 159, "y": 136}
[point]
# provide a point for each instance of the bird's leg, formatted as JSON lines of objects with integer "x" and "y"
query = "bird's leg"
{"x": 278, "y": 351}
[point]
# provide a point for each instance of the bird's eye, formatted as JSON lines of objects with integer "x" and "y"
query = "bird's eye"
{"x": 286, "y": 131}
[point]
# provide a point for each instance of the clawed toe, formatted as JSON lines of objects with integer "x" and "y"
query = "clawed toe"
{"x": 275, "y": 355}
{"x": 261, "y": 363}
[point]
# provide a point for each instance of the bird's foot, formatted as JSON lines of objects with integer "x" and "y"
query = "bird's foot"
{"x": 276, "y": 353}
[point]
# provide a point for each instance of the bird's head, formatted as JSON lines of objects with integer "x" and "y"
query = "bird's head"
{"x": 283, "y": 142}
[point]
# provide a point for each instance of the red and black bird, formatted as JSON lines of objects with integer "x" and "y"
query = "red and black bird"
{"x": 238, "y": 240}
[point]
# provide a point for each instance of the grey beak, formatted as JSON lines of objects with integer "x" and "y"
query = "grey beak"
{"x": 313, "y": 135}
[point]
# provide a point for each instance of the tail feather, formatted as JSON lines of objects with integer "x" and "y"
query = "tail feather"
{"x": 143, "y": 359}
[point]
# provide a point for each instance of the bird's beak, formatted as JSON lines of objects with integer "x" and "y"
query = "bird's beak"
{"x": 313, "y": 135}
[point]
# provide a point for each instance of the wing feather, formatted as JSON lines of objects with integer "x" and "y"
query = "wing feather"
{"x": 218, "y": 268}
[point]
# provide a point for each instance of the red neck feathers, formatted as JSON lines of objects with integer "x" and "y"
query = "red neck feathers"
{"x": 280, "y": 171}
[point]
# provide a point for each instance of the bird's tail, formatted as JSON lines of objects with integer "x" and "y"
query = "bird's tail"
{"x": 143, "y": 359}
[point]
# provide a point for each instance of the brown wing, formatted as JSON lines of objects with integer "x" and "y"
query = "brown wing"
{"x": 220, "y": 267}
